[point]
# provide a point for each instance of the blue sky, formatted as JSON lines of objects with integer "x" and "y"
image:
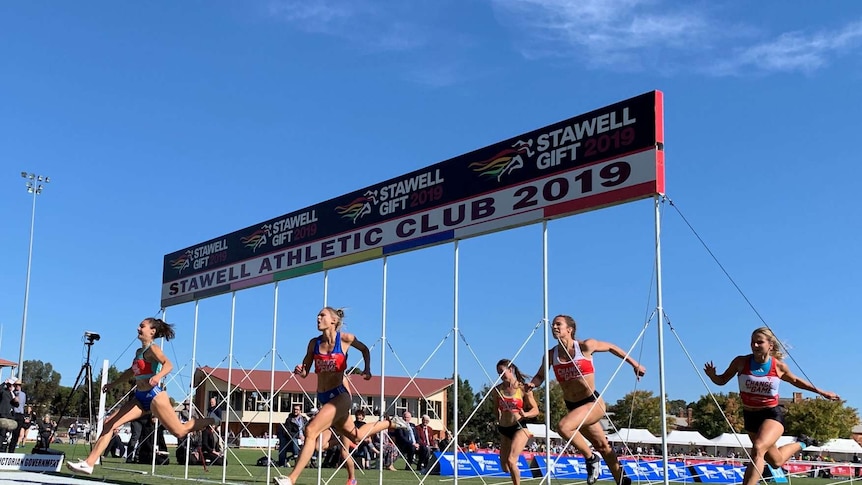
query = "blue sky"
{"x": 165, "y": 124}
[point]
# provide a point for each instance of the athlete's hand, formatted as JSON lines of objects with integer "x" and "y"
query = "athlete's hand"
{"x": 639, "y": 371}
{"x": 366, "y": 374}
{"x": 300, "y": 369}
{"x": 830, "y": 395}
{"x": 107, "y": 387}
{"x": 154, "y": 381}
{"x": 709, "y": 369}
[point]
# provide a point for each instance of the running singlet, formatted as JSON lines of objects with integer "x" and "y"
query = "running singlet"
{"x": 511, "y": 404}
{"x": 577, "y": 368}
{"x": 335, "y": 361}
{"x": 758, "y": 384}
{"x": 142, "y": 368}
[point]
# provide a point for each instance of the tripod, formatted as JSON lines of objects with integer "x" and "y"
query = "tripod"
{"x": 85, "y": 375}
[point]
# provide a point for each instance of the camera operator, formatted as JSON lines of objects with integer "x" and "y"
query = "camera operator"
{"x": 7, "y": 405}
{"x": 21, "y": 432}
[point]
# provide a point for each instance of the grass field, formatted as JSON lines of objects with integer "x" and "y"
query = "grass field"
{"x": 242, "y": 469}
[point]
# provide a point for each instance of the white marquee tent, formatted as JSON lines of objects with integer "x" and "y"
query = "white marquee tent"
{"x": 691, "y": 438}
{"x": 731, "y": 440}
{"x": 633, "y": 435}
{"x": 742, "y": 440}
{"x": 538, "y": 431}
{"x": 838, "y": 445}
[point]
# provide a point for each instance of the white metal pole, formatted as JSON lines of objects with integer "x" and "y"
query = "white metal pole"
{"x": 545, "y": 363}
{"x": 27, "y": 289}
{"x": 100, "y": 421}
{"x": 229, "y": 382}
{"x": 320, "y": 436}
{"x": 156, "y": 427}
{"x": 193, "y": 410}
{"x": 455, "y": 366}
{"x": 660, "y": 312}
{"x": 272, "y": 377}
{"x": 382, "y": 365}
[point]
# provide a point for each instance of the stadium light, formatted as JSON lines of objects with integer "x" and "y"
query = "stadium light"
{"x": 35, "y": 187}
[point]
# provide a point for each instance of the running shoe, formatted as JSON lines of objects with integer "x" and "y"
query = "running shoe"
{"x": 351, "y": 481}
{"x": 282, "y": 480}
{"x": 399, "y": 422}
{"x": 594, "y": 468}
{"x": 80, "y": 466}
{"x": 804, "y": 438}
{"x": 626, "y": 481}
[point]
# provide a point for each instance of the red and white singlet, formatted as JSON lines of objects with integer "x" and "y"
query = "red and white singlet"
{"x": 759, "y": 389}
{"x": 577, "y": 368}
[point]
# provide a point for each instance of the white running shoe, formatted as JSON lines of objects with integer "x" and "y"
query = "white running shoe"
{"x": 594, "y": 468}
{"x": 285, "y": 480}
{"x": 80, "y": 466}
{"x": 399, "y": 422}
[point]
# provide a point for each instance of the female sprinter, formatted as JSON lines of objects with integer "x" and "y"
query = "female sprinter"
{"x": 149, "y": 367}
{"x": 328, "y": 352}
{"x": 759, "y": 374}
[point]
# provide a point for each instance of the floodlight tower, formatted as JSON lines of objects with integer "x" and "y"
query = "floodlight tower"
{"x": 35, "y": 187}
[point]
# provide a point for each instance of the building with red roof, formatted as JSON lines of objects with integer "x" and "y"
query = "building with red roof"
{"x": 250, "y": 391}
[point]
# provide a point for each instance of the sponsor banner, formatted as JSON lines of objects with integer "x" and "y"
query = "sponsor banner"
{"x": 572, "y": 467}
{"x": 624, "y": 178}
{"x": 484, "y": 464}
{"x": 710, "y": 473}
{"x": 653, "y": 471}
{"x": 30, "y": 463}
{"x": 607, "y": 156}
{"x": 488, "y": 464}
{"x": 466, "y": 466}
{"x": 797, "y": 468}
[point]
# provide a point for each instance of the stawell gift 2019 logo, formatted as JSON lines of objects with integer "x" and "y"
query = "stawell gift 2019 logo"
{"x": 607, "y": 156}
{"x": 390, "y": 198}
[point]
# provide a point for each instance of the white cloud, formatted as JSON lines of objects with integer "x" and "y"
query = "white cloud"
{"x": 630, "y": 35}
{"x": 794, "y": 51}
{"x": 324, "y": 16}
{"x": 623, "y": 34}
{"x": 366, "y": 25}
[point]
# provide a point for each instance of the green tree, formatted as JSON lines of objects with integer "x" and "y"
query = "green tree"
{"x": 116, "y": 393}
{"x": 465, "y": 403}
{"x": 482, "y": 427}
{"x": 709, "y": 418}
{"x": 42, "y": 384}
{"x": 820, "y": 418}
{"x": 558, "y": 405}
{"x": 638, "y": 409}
{"x": 677, "y": 407}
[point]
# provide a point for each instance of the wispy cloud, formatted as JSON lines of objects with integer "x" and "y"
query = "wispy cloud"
{"x": 794, "y": 51}
{"x": 426, "y": 53}
{"x": 365, "y": 24}
{"x": 323, "y": 16}
{"x": 630, "y": 35}
{"x": 622, "y": 34}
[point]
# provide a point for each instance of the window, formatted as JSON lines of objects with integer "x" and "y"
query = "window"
{"x": 407, "y": 404}
{"x": 250, "y": 401}
{"x": 219, "y": 399}
{"x": 262, "y": 403}
{"x": 236, "y": 399}
{"x": 366, "y": 403}
{"x": 287, "y": 400}
{"x": 432, "y": 408}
